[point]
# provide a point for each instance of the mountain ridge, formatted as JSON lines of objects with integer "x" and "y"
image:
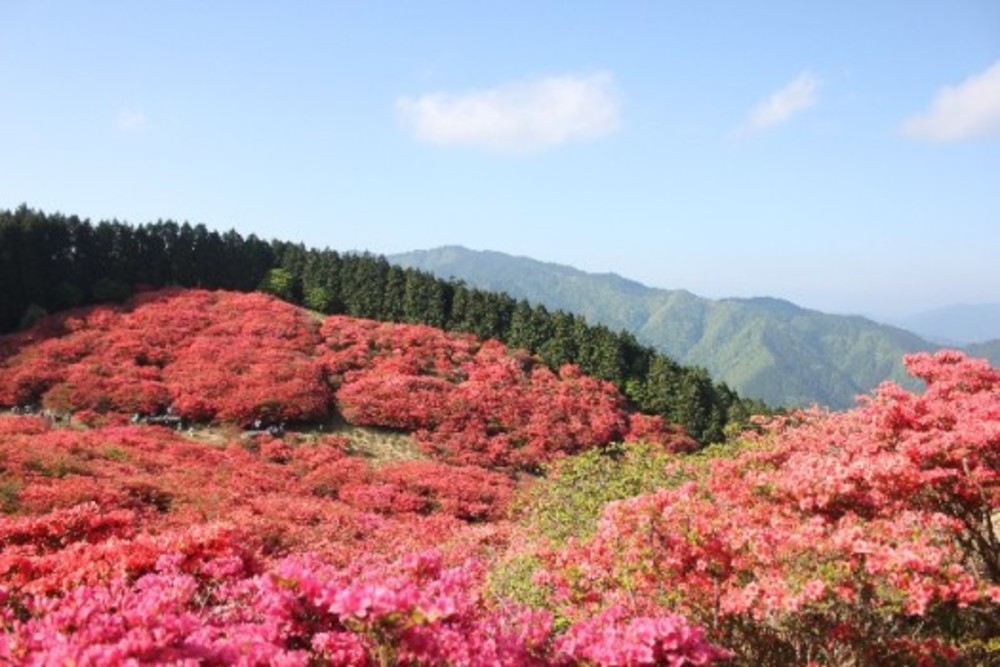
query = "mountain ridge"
{"x": 764, "y": 347}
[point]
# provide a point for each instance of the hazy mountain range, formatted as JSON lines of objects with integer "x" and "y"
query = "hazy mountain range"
{"x": 763, "y": 347}
{"x": 959, "y": 324}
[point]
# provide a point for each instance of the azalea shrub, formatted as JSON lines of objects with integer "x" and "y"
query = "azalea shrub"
{"x": 199, "y": 596}
{"x": 294, "y": 493}
{"x": 466, "y": 492}
{"x": 206, "y": 355}
{"x": 496, "y": 409}
{"x": 864, "y": 537}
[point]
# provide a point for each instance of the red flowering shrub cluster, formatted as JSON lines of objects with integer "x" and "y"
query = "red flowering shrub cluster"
{"x": 249, "y": 359}
{"x": 120, "y": 542}
{"x": 293, "y": 493}
{"x": 494, "y": 409}
{"x": 866, "y": 537}
{"x": 208, "y": 355}
{"x": 465, "y": 492}
{"x": 198, "y": 596}
{"x": 122, "y": 547}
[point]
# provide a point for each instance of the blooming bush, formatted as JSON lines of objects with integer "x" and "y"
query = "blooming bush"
{"x": 616, "y": 638}
{"x": 863, "y": 536}
{"x": 207, "y": 355}
{"x": 198, "y": 596}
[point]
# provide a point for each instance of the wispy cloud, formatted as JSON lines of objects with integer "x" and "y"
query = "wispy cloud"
{"x": 970, "y": 109}
{"x": 516, "y": 117}
{"x": 792, "y": 98}
{"x": 131, "y": 121}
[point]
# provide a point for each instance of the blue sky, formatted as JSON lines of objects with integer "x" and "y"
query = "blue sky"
{"x": 844, "y": 155}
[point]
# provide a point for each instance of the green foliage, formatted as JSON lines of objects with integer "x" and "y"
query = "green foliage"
{"x": 318, "y": 298}
{"x": 10, "y": 495}
{"x": 31, "y": 316}
{"x": 513, "y": 581}
{"x": 58, "y": 469}
{"x": 278, "y": 282}
{"x": 116, "y": 454}
{"x": 67, "y": 295}
{"x": 108, "y": 290}
{"x": 569, "y": 502}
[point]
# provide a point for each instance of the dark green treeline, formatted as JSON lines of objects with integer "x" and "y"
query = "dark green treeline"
{"x": 50, "y": 262}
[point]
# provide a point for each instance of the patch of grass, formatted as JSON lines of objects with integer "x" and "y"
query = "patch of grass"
{"x": 59, "y": 468}
{"x": 10, "y": 500}
{"x": 115, "y": 454}
{"x": 381, "y": 445}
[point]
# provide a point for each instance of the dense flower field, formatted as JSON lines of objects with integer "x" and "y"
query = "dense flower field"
{"x": 863, "y": 537}
{"x": 249, "y": 358}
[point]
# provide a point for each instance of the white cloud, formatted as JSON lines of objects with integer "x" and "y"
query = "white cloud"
{"x": 516, "y": 117}
{"x": 797, "y": 95}
{"x": 970, "y": 109}
{"x": 131, "y": 121}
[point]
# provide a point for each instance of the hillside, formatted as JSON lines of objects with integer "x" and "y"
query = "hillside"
{"x": 254, "y": 361}
{"x": 49, "y": 263}
{"x": 765, "y": 348}
{"x": 213, "y": 477}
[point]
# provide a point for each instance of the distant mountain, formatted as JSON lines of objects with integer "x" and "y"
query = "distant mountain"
{"x": 763, "y": 347}
{"x": 988, "y": 350}
{"x": 958, "y": 324}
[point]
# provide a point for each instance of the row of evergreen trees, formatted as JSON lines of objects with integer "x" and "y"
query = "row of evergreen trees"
{"x": 50, "y": 262}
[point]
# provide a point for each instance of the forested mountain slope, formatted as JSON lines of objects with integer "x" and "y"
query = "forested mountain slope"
{"x": 765, "y": 348}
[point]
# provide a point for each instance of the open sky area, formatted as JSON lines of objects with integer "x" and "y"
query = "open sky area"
{"x": 841, "y": 154}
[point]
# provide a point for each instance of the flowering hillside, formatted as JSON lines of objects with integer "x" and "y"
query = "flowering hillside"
{"x": 186, "y": 489}
{"x": 250, "y": 359}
